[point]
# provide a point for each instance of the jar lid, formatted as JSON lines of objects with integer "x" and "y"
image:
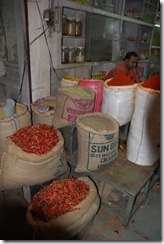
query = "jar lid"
{"x": 80, "y": 47}
{"x": 71, "y": 18}
{"x": 64, "y": 47}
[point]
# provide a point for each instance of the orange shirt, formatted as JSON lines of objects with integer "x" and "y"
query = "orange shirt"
{"x": 122, "y": 68}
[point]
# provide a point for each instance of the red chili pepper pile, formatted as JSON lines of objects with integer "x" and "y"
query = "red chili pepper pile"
{"x": 58, "y": 198}
{"x": 38, "y": 139}
{"x": 121, "y": 79}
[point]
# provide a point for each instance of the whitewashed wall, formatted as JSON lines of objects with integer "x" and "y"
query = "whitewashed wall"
{"x": 39, "y": 57}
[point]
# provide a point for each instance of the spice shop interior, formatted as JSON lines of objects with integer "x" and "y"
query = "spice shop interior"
{"x": 79, "y": 137}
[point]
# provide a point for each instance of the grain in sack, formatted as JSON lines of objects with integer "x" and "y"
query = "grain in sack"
{"x": 143, "y": 143}
{"x": 9, "y": 125}
{"x": 97, "y": 141}
{"x": 118, "y": 101}
{"x": 28, "y": 165}
{"x": 43, "y": 117}
{"x": 69, "y": 81}
{"x": 68, "y": 219}
{"x": 70, "y": 102}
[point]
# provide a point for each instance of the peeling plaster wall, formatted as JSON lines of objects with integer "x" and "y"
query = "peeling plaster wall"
{"x": 8, "y": 30}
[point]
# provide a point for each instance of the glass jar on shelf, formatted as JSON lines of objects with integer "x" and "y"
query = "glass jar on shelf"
{"x": 65, "y": 55}
{"x": 72, "y": 54}
{"x": 70, "y": 26}
{"x": 78, "y": 27}
{"x": 80, "y": 54}
{"x": 64, "y": 17}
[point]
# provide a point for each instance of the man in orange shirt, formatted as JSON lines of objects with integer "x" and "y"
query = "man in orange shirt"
{"x": 127, "y": 67}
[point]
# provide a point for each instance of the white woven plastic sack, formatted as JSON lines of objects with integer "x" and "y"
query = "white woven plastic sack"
{"x": 118, "y": 101}
{"x": 144, "y": 134}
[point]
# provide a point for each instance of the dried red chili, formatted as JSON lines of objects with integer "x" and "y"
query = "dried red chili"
{"x": 153, "y": 82}
{"x": 121, "y": 79}
{"x": 38, "y": 139}
{"x": 58, "y": 198}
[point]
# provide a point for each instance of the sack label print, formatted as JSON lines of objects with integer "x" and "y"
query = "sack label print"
{"x": 102, "y": 152}
{"x": 69, "y": 112}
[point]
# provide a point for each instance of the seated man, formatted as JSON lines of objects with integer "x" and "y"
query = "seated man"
{"x": 127, "y": 66}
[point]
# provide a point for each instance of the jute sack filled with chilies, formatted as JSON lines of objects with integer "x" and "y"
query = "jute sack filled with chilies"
{"x": 43, "y": 117}
{"x": 118, "y": 101}
{"x": 97, "y": 141}
{"x": 19, "y": 168}
{"x": 67, "y": 225}
{"x": 9, "y": 125}
{"x": 143, "y": 143}
{"x": 72, "y": 101}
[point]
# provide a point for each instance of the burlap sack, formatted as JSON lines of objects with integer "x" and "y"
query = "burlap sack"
{"x": 19, "y": 168}
{"x": 143, "y": 143}
{"x": 97, "y": 141}
{"x": 9, "y": 125}
{"x": 47, "y": 117}
{"x": 72, "y": 102}
{"x": 68, "y": 225}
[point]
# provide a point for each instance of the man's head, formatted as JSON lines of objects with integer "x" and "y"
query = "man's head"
{"x": 131, "y": 60}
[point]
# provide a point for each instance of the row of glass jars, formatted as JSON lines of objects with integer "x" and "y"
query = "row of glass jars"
{"x": 73, "y": 54}
{"x": 71, "y": 26}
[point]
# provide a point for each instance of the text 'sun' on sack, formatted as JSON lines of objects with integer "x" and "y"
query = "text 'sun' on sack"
{"x": 97, "y": 141}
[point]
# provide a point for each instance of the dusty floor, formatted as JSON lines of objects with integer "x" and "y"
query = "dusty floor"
{"x": 145, "y": 225}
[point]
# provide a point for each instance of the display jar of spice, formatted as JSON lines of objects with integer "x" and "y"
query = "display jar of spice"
{"x": 64, "y": 17}
{"x": 65, "y": 55}
{"x": 80, "y": 54}
{"x": 70, "y": 26}
{"x": 78, "y": 27}
{"x": 72, "y": 55}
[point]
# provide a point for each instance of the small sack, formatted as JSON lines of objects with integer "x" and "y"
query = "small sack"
{"x": 46, "y": 117}
{"x": 69, "y": 81}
